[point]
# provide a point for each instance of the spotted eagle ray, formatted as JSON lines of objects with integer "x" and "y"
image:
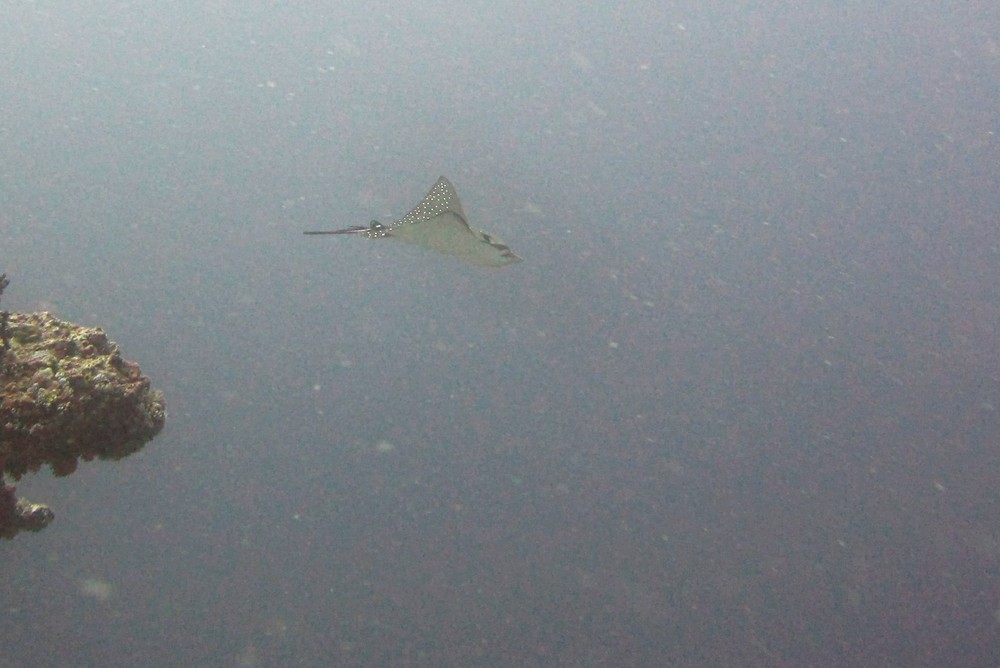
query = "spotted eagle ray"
{"x": 438, "y": 223}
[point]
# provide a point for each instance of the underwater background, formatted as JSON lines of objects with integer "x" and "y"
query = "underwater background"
{"x": 737, "y": 407}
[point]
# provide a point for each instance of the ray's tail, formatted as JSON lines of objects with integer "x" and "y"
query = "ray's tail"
{"x": 355, "y": 229}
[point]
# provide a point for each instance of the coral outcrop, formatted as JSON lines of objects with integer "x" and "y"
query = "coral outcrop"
{"x": 66, "y": 394}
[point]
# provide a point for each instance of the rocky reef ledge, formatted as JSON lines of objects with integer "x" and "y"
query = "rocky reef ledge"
{"x": 66, "y": 394}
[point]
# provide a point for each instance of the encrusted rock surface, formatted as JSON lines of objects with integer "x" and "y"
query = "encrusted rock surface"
{"x": 66, "y": 394}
